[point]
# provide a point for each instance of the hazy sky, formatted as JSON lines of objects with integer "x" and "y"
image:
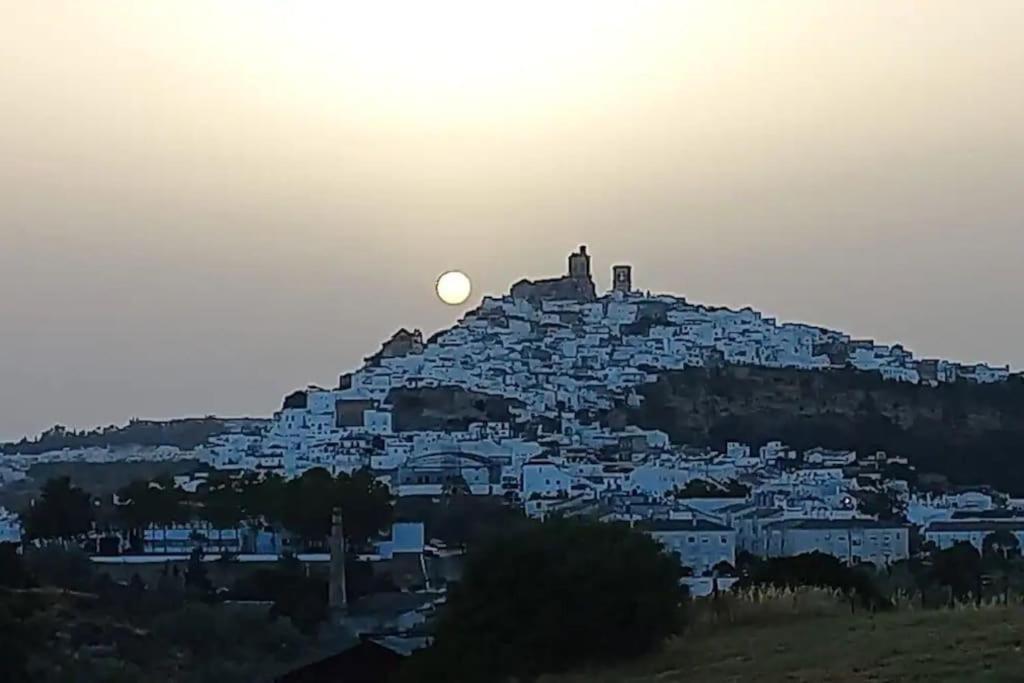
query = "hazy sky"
{"x": 206, "y": 204}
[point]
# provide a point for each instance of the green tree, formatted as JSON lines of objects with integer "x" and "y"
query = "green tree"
{"x": 62, "y": 511}
{"x": 311, "y": 499}
{"x": 157, "y": 503}
{"x": 959, "y": 569}
{"x": 1000, "y": 545}
{"x": 551, "y": 596}
{"x": 463, "y": 520}
{"x": 812, "y": 569}
{"x": 221, "y": 504}
{"x": 886, "y": 505}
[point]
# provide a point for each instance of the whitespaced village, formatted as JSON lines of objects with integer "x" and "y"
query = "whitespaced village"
{"x": 503, "y": 404}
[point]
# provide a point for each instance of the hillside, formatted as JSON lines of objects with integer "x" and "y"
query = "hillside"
{"x": 185, "y": 434}
{"x": 971, "y": 433}
{"x": 958, "y": 646}
{"x": 445, "y": 408}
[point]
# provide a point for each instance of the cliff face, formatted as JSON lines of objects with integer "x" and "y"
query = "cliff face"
{"x": 445, "y": 408}
{"x": 972, "y": 434}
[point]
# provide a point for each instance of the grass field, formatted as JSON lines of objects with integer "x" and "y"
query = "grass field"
{"x": 793, "y": 643}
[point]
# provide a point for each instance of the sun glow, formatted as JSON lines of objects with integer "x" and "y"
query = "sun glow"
{"x": 445, "y": 52}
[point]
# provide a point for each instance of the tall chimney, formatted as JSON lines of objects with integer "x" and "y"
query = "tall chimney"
{"x": 337, "y": 597}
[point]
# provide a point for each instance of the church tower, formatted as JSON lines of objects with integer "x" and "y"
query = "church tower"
{"x": 622, "y": 278}
{"x": 579, "y": 264}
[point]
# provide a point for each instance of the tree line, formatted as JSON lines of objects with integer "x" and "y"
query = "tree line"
{"x": 185, "y": 434}
{"x": 301, "y": 506}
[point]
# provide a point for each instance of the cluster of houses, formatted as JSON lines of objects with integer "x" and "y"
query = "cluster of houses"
{"x": 557, "y": 354}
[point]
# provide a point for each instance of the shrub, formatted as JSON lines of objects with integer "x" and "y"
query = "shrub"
{"x": 551, "y": 596}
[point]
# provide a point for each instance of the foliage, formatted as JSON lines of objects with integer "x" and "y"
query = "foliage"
{"x": 551, "y": 596}
{"x": 1001, "y": 545}
{"x": 196, "y": 579}
{"x": 813, "y": 569}
{"x": 62, "y": 511}
{"x": 222, "y": 503}
{"x": 185, "y": 434}
{"x": 54, "y": 564}
{"x": 793, "y": 638}
{"x": 459, "y": 519}
{"x": 18, "y": 635}
{"x": 309, "y": 501}
{"x": 215, "y": 636}
{"x": 699, "y": 488}
{"x": 958, "y": 568}
{"x": 304, "y": 505}
{"x": 158, "y": 503}
{"x": 885, "y": 505}
{"x": 301, "y": 598}
{"x": 13, "y": 573}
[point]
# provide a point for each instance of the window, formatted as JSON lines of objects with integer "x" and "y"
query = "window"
{"x": 704, "y": 540}
{"x": 724, "y": 540}
{"x": 691, "y": 539}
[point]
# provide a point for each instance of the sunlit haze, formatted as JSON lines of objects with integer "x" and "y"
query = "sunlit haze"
{"x": 207, "y": 204}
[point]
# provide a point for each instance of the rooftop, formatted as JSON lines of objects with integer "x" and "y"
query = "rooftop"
{"x": 978, "y": 525}
{"x": 682, "y": 525}
{"x": 827, "y": 524}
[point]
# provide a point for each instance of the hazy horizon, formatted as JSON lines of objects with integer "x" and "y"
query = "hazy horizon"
{"x": 205, "y": 205}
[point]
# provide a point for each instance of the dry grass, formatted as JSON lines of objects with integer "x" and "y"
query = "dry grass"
{"x": 810, "y": 636}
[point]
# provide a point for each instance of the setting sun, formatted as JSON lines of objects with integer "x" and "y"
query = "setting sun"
{"x": 453, "y": 287}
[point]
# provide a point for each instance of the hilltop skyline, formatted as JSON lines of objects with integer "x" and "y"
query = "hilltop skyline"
{"x": 564, "y": 290}
{"x": 204, "y": 205}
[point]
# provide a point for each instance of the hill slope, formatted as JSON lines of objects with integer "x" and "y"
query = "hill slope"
{"x": 970, "y": 433}
{"x": 958, "y": 646}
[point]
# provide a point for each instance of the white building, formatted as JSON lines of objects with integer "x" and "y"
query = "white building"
{"x": 699, "y": 544}
{"x": 10, "y": 527}
{"x": 851, "y": 540}
{"x": 949, "y": 533}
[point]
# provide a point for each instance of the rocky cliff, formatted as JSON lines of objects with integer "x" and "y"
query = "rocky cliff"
{"x": 970, "y": 433}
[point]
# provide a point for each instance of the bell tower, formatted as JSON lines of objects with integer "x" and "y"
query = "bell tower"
{"x": 622, "y": 278}
{"x": 579, "y": 264}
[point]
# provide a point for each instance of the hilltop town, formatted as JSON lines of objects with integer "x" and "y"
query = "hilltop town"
{"x": 513, "y": 401}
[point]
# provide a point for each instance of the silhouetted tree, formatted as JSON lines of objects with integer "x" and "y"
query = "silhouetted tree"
{"x": 311, "y": 498}
{"x": 196, "y": 579}
{"x": 62, "y": 511}
{"x": 551, "y": 596}
{"x": 813, "y": 569}
{"x": 1001, "y": 544}
{"x": 958, "y": 568}
{"x": 13, "y": 573}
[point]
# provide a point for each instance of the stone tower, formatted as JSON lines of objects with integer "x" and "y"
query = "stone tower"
{"x": 622, "y": 278}
{"x": 579, "y": 264}
{"x": 337, "y": 596}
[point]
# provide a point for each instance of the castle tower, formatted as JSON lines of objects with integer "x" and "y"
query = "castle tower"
{"x": 622, "y": 278}
{"x": 337, "y": 596}
{"x": 579, "y": 264}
